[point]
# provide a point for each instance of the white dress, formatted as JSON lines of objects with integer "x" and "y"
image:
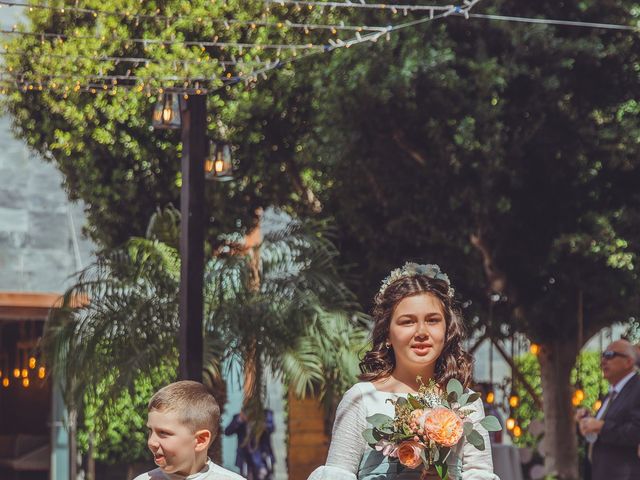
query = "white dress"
{"x": 351, "y": 458}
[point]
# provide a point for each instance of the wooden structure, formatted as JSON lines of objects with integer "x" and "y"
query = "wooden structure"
{"x": 308, "y": 438}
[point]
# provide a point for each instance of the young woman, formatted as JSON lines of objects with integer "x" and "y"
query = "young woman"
{"x": 417, "y": 332}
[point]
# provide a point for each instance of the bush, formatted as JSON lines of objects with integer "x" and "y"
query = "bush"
{"x": 118, "y": 426}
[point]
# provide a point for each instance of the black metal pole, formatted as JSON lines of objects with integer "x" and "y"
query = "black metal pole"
{"x": 192, "y": 238}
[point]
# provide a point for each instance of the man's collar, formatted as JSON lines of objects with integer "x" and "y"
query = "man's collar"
{"x": 620, "y": 385}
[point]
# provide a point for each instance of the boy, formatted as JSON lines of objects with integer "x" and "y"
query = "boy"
{"x": 182, "y": 421}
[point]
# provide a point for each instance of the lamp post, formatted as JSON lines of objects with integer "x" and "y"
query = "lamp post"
{"x": 189, "y": 114}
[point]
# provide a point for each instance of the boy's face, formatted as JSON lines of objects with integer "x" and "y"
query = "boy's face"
{"x": 175, "y": 446}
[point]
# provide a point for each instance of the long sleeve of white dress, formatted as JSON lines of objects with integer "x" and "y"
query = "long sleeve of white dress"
{"x": 347, "y": 443}
{"x": 478, "y": 464}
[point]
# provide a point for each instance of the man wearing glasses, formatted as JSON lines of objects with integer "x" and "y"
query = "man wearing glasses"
{"x": 614, "y": 433}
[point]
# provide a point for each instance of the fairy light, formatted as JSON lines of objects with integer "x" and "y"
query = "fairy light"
{"x": 597, "y": 405}
{"x": 32, "y": 360}
{"x": 25, "y": 382}
{"x": 511, "y": 423}
{"x": 24, "y": 373}
{"x": 5, "y": 382}
{"x": 534, "y": 349}
{"x": 226, "y": 22}
{"x": 514, "y": 400}
{"x": 16, "y": 373}
{"x": 491, "y": 397}
{"x": 517, "y": 431}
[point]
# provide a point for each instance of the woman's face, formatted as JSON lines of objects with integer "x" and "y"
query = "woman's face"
{"x": 417, "y": 331}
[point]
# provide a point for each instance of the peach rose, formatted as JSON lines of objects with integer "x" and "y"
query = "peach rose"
{"x": 443, "y": 426}
{"x": 409, "y": 454}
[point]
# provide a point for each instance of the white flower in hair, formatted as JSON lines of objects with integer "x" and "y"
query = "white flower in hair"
{"x": 411, "y": 269}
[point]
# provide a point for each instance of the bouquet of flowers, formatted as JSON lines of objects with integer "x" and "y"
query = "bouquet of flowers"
{"x": 427, "y": 425}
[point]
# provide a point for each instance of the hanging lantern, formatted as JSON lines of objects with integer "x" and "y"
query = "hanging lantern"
{"x": 491, "y": 397}
{"x": 167, "y": 113}
{"x": 511, "y": 423}
{"x": 219, "y": 165}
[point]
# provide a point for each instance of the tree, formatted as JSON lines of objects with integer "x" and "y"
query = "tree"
{"x": 102, "y": 141}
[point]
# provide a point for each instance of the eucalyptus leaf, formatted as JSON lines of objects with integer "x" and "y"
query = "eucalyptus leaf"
{"x": 473, "y": 397}
{"x": 467, "y": 427}
{"x": 378, "y": 420}
{"x": 369, "y": 437}
{"x": 475, "y": 439}
{"x": 452, "y": 397}
{"x": 491, "y": 423}
{"x": 454, "y": 385}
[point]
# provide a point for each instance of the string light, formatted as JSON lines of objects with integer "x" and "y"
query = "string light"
{"x": 226, "y": 22}
{"x": 5, "y": 382}
{"x": 42, "y": 372}
{"x": 25, "y": 382}
{"x": 517, "y": 431}
{"x": 534, "y": 349}
{"x": 514, "y": 400}
{"x": 511, "y": 423}
{"x": 156, "y": 41}
{"x": 371, "y": 6}
{"x": 32, "y": 363}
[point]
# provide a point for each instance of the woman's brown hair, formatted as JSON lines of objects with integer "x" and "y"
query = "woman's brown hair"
{"x": 380, "y": 361}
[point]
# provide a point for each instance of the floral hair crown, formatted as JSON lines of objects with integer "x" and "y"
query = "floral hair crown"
{"x": 411, "y": 269}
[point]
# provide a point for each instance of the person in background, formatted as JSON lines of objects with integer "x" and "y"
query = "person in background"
{"x": 614, "y": 433}
{"x": 254, "y": 458}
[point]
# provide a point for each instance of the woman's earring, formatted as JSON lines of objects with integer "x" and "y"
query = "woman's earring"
{"x": 387, "y": 345}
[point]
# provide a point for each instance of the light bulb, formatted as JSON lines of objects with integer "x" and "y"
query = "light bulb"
{"x": 514, "y": 401}
{"x": 597, "y": 405}
{"x": 491, "y": 397}
{"x": 534, "y": 348}
{"x": 41, "y": 372}
{"x": 16, "y": 372}
{"x": 32, "y": 362}
{"x": 5, "y": 382}
{"x": 25, "y": 373}
{"x": 25, "y": 382}
{"x": 510, "y": 423}
{"x": 517, "y": 431}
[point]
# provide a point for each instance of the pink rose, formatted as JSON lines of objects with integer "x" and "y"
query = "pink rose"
{"x": 409, "y": 454}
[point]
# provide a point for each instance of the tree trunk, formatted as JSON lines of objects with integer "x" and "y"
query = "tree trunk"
{"x": 560, "y": 442}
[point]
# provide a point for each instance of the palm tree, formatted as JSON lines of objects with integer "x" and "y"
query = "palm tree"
{"x": 280, "y": 303}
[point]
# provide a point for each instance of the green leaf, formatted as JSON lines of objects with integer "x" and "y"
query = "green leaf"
{"x": 491, "y": 423}
{"x": 368, "y": 436}
{"x": 442, "y": 469}
{"x": 475, "y": 439}
{"x": 455, "y": 386}
{"x": 473, "y": 397}
{"x": 452, "y": 397}
{"x": 414, "y": 402}
{"x": 378, "y": 420}
{"x": 467, "y": 427}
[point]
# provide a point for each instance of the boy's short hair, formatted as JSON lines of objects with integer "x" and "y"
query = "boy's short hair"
{"x": 196, "y": 407}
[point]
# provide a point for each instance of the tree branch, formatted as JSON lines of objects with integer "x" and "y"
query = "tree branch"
{"x": 401, "y": 140}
